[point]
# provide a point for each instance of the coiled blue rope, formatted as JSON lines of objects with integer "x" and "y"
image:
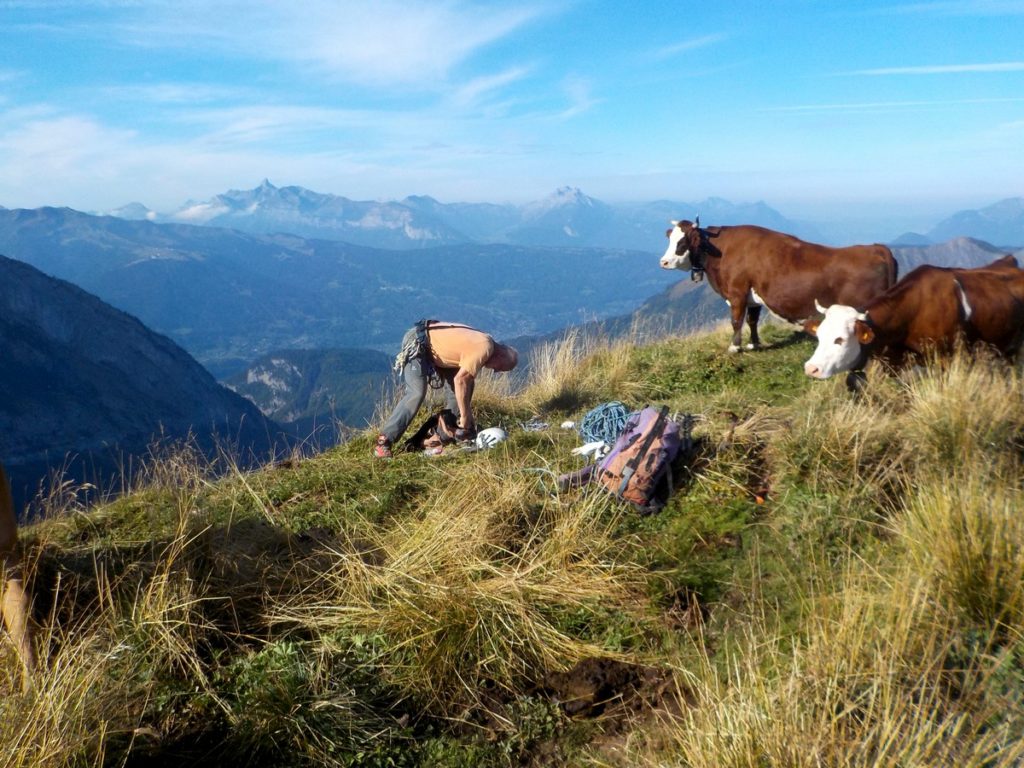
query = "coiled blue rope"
{"x": 605, "y": 422}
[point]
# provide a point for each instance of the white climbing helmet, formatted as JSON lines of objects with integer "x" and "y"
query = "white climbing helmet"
{"x": 490, "y": 437}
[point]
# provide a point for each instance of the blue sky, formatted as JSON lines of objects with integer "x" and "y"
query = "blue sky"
{"x": 821, "y": 109}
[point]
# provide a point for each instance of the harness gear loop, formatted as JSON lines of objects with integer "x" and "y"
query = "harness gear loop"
{"x": 418, "y": 348}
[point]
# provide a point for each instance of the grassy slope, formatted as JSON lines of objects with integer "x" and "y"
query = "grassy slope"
{"x": 833, "y": 582}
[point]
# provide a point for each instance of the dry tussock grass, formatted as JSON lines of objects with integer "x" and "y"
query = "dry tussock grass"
{"x": 100, "y": 674}
{"x": 962, "y": 409}
{"x": 476, "y": 585}
{"x": 581, "y": 368}
{"x": 468, "y": 591}
{"x": 838, "y": 444}
{"x": 869, "y": 685}
{"x": 908, "y": 658}
{"x": 965, "y": 533}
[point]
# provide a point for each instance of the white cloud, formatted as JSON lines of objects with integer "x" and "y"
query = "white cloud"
{"x": 175, "y": 93}
{"x": 1009, "y": 135}
{"x": 43, "y": 157}
{"x": 960, "y": 8}
{"x": 400, "y": 43}
{"x": 943, "y": 69}
{"x": 578, "y": 91}
{"x": 874, "y": 106}
{"x": 408, "y": 43}
{"x": 473, "y": 91}
{"x": 255, "y": 124}
{"x": 53, "y": 158}
{"x": 688, "y": 45}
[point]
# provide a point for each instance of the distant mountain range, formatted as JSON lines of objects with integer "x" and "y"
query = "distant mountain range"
{"x": 956, "y": 252}
{"x": 1001, "y": 224}
{"x": 229, "y": 297}
{"x": 85, "y": 381}
{"x": 567, "y": 217}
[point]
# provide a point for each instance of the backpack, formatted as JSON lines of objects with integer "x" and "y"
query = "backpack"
{"x": 638, "y": 467}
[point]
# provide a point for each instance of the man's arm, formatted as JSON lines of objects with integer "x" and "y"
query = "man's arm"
{"x": 464, "y": 382}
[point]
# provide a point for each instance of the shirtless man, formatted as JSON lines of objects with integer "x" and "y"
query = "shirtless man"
{"x": 452, "y": 353}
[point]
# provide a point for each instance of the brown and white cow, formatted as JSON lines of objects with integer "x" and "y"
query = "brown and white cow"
{"x": 14, "y": 603}
{"x": 928, "y": 311}
{"x": 751, "y": 267}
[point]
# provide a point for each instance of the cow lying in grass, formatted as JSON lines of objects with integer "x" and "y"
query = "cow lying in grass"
{"x": 930, "y": 310}
{"x": 751, "y": 267}
{"x": 15, "y": 603}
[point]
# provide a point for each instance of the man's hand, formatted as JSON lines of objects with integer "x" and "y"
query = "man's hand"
{"x": 462, "y": 434}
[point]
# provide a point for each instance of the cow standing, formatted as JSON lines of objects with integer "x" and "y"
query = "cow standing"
{"x": 751, "y": 267}
{"x": 927, "y": 311}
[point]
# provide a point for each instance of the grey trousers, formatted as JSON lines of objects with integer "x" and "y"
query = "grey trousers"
{"x": 416, "y": 384}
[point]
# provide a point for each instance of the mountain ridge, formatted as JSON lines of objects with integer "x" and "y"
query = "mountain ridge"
{"x": 229, "y": 297}
{"x": 1001, "y": 223}
{"x": 85, "y": 379}
{"x": 567, "y": 215}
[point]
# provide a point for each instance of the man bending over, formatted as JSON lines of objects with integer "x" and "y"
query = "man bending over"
{"x": 448, "y": 355}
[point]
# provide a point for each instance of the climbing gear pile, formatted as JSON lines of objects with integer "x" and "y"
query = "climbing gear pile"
{"x": 604, "y": 423}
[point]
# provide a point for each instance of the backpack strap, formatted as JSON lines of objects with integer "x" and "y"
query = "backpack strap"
{"x": 630, "y": 469}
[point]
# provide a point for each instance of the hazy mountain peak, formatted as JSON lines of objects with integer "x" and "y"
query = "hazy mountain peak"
{"x": 1008, "y": 208}
{"x": 133, "y": 212}
{"x": 910, "y": 239}
{"x": 425, "y": 201}
{"x": 568, "y": 196}
{"x": 1001, "y": 223}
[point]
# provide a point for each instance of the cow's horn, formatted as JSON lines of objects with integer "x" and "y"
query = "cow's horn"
{"x": 696, "y": 221}
{"x": 820, "y": 308}
{"x": 674, "y": 223}
{"x": 862, "y": 316}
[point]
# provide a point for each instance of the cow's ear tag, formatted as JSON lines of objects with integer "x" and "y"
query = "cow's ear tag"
{"x": 864, "y": 333}
{"x": 811, "y": 326}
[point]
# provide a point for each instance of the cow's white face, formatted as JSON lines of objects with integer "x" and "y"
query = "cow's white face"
{"x": 840, "y": 335}
{"x": 677, "y": 255}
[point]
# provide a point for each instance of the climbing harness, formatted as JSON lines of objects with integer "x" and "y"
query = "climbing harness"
{"x": 418, "y": 348}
